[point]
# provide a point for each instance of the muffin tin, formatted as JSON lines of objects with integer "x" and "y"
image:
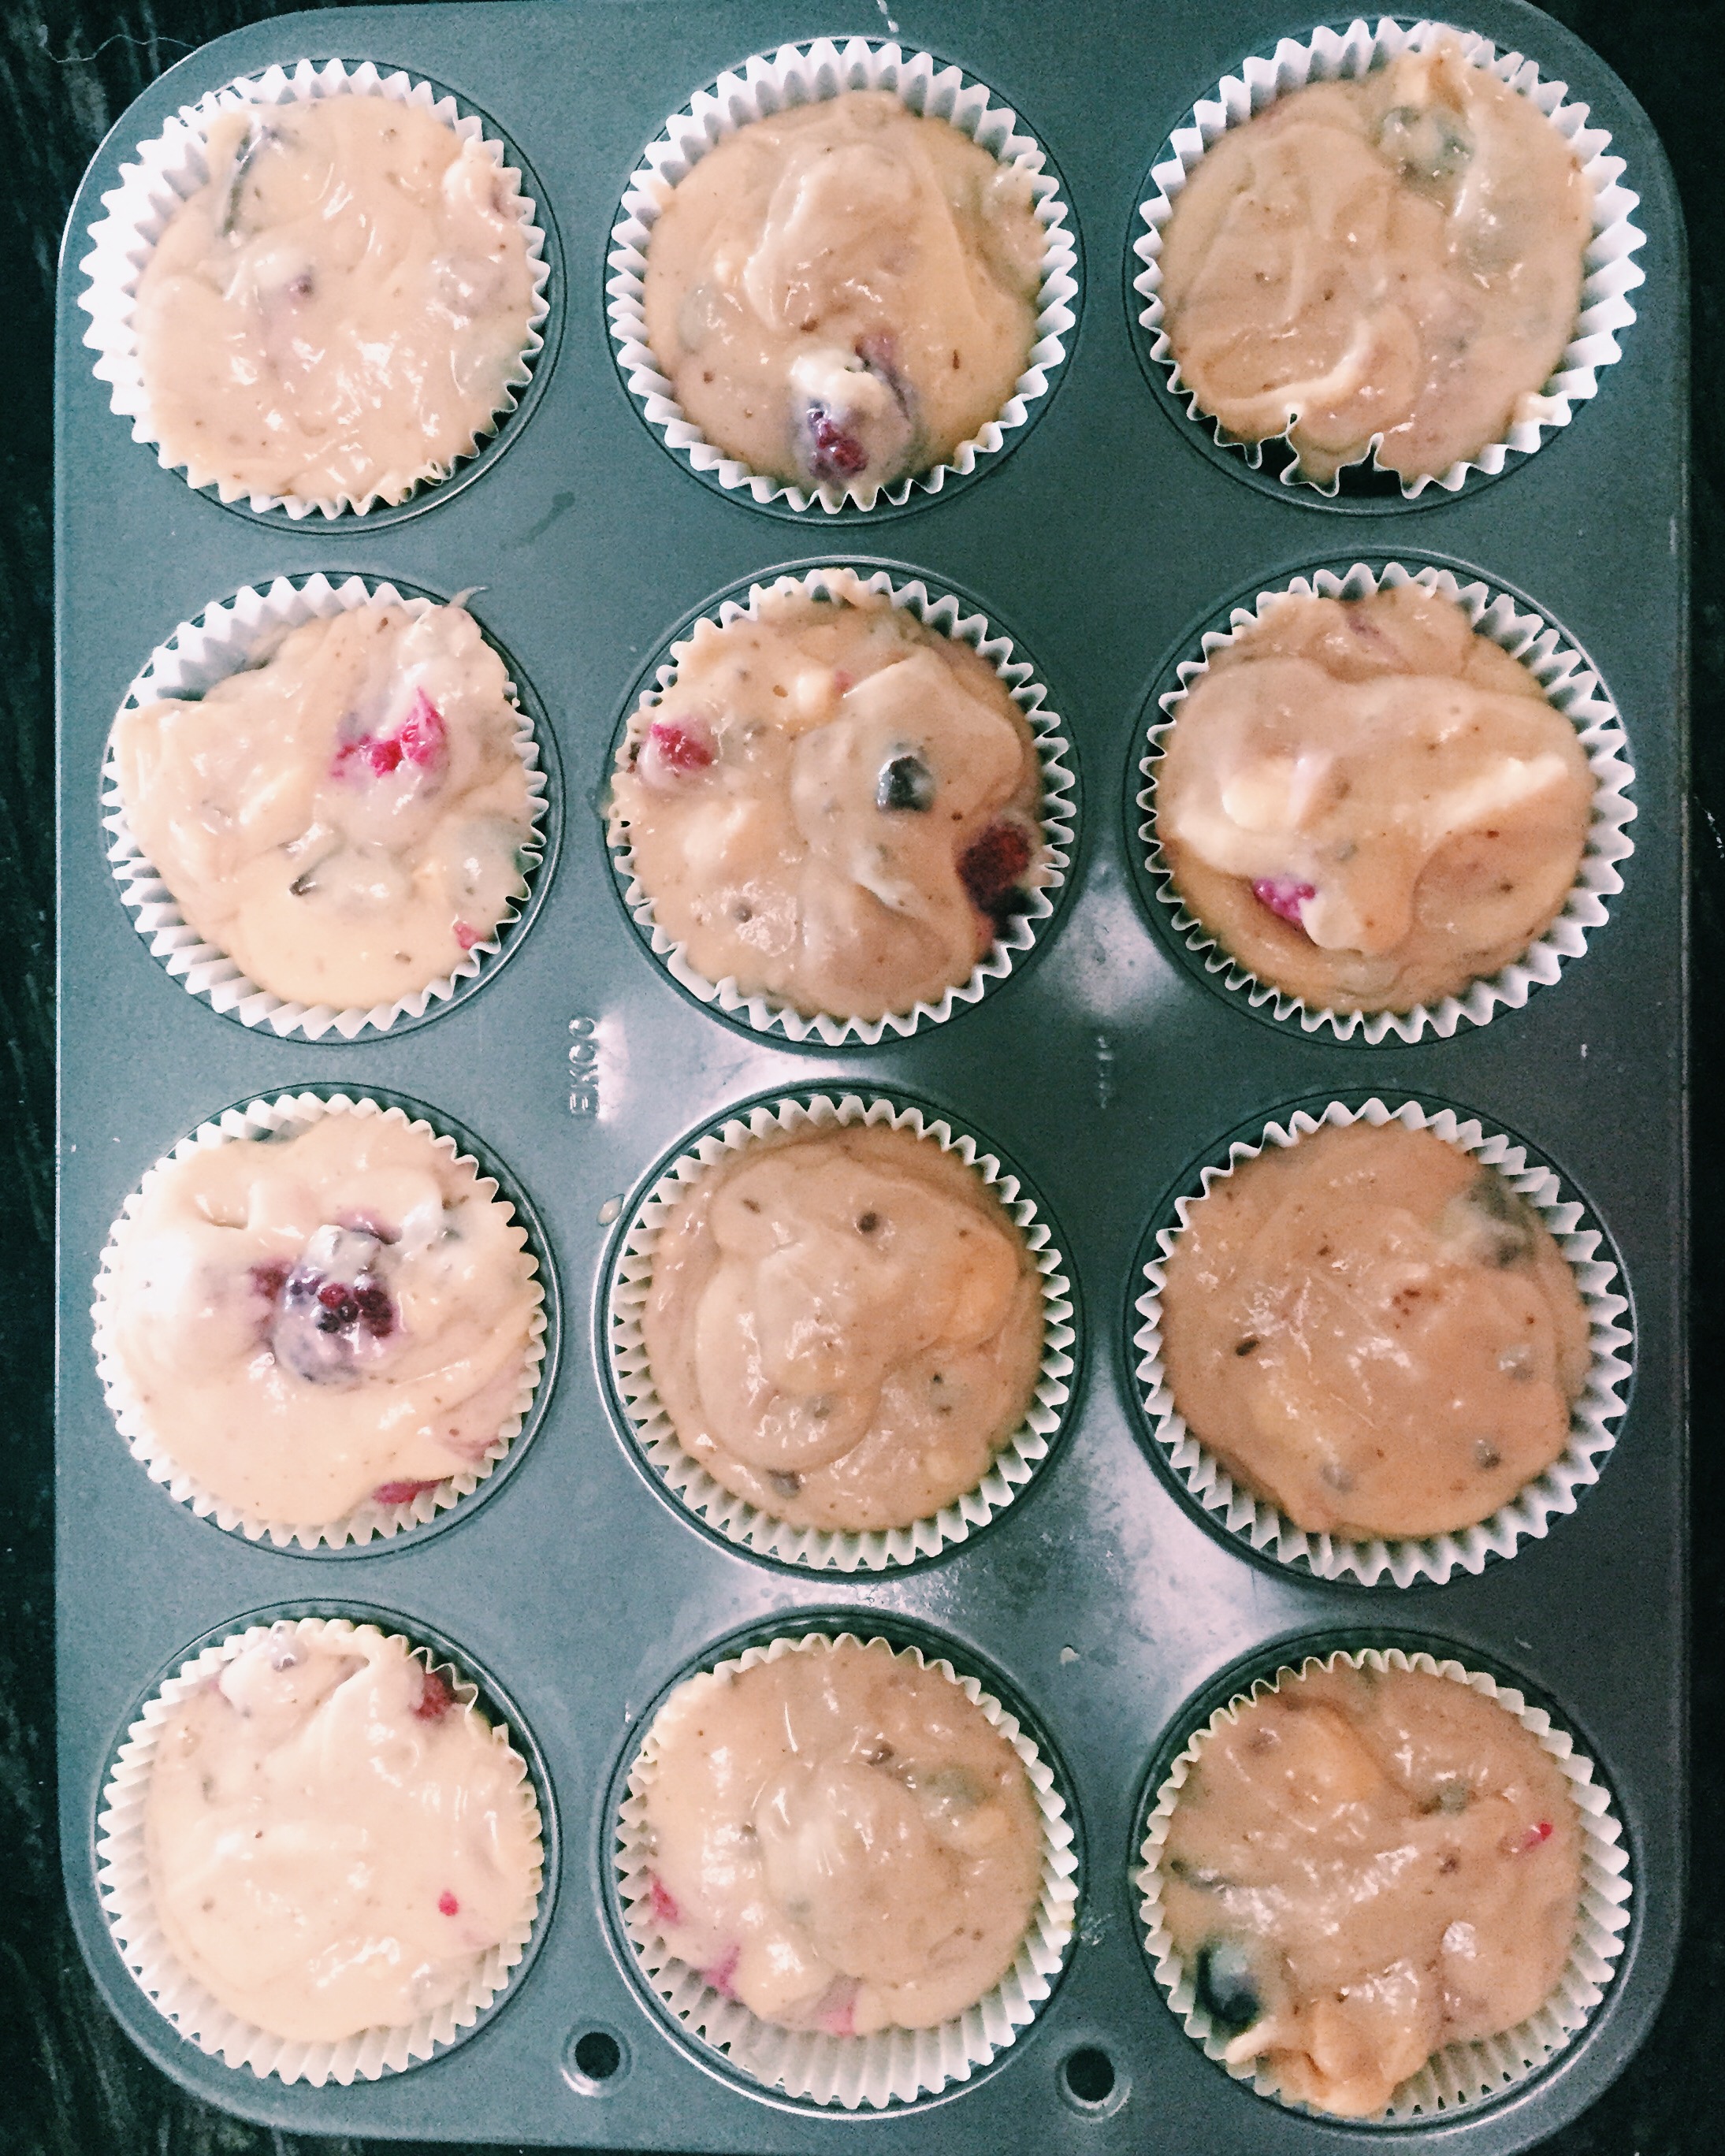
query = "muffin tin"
{"x": 1104, "y": 1598}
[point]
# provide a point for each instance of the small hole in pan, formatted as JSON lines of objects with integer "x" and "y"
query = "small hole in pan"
{"x": 1089, "y": 2081}
{"x": 595, "y": 2061}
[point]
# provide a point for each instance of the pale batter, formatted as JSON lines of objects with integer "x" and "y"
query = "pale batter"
{"x": 833, "y": 805}
{"x": 843, "y": 293}
{"x": 1400, "y": 255}
{"x": 313, "y": 1324}
{"x": 1369, "y": 804}
{"x": 338, "y": 312}
{"x": 1373, "y": 1331}
{"x": 844, "y": 1326}
{"x": 840, "y": 1841}
{"x": 348, "y": 817}
{"x": 1362, "y": 1869}
{"x": 334, "y": 1843}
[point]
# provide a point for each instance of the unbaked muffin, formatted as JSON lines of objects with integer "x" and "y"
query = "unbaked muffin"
{"x": 841, "y": 1840}
{"x": 1374, "y": 1331}
{"x": 320, "y": 1324}
{"x": 1396, "y": 256}
{"x": 832, "y": 805}
{"x": 844, "y": 1326}
{"x": 1368, "y": 804}
{"x": 842, "y": 293}
{"x": 335, "y": 1843}
{"x": 340, "y": 309}
{"x": 1362, "y": 1867}
{"x": 348, "y": 817}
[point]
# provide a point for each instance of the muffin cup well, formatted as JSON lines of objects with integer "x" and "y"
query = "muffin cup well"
{"x": 938, "y": 610}
{"x": 684, "y": 1478}
{"x": 123, "y": 1881}
{"x": 1461, "y": 2074}
{"x": 896, "y": 2065}
{"x": 1571, "y": 686}
{"x": 773, "y": 82}
{"x": 1329, "y": 55}
{"x": 223, "y": 640}
{"x": 370, "y": 1524}
{"x": 1529, "y": 1515}
{"x": 173, "y": 165}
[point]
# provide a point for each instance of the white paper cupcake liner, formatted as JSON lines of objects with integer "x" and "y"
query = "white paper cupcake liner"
{"x": 1329, "y": 55}
{"x": 734, "y": 1517}
{"x": 1571, "y": 686}
{"x": 802, "y": 75}
{"x": 123, "y": 1881}
{"x": 937, "y": 610}
{"x": 152, "y": 1446}
{"x": 1461, "y": 2073}
{"x": 896, "y": 2065}
{"x": 172, "y": 166}
{"x": 223, "y": 641}
{"x": 1528, "y": 1517}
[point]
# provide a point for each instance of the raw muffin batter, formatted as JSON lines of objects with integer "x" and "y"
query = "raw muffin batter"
{"x": 334, "y": 1843}
{"x": 843, "y": 293}
{"x": 844, "y": 1326}
{"x": 841, "y": 1840}
{"x": 338, "y": 309}
{"x": 833, "y": 805}
{"x": 1400, "y": 255}
{"x": 1362, "y": 1869}
{"x": 1368, "y": 804}
{"x": 347, "y": 819}
{"x": 1373, "y": 1331}
{"x": 312, "y": 1324}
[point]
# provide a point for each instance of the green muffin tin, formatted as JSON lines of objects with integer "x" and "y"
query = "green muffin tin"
{"x": 1104, "y": 1603}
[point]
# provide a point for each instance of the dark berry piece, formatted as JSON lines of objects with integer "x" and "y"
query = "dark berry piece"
{"x": 1225, "y": 1989}
{"x": 833, "y": 453}
{"x": 268, "y": 1281}
{"x": 1284, "y": 895}
{"x": 991, "y": 865}
{"x": 906, "y": 782}
{"x": 436, "y": 1700}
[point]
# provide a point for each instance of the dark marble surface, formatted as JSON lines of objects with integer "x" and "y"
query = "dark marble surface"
{"x": 70, "y": 2085}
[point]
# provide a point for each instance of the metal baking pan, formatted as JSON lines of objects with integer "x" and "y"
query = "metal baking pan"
{"x": 1103, "y": 1599}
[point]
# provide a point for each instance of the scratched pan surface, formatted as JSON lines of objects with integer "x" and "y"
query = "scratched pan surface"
{"x": 1101, "y": 1070}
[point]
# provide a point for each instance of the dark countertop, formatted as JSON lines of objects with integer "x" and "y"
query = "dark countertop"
{"x": 70, "y": 2084}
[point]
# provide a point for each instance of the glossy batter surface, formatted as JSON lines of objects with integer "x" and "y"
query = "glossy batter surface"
{"x": 1400, "y": 255}
{"x": 337, "y": 312}
{"x": 844, "y": 1326}
{"x": 843, "y": 293}
{"x": 1368, "y": 804}
{"x": 312, "y": 1324}
{"x": 1362, "y": 1869}
{"x": 347, "y": 819}
{"x": 333, "y": 1844}
{"x": 1374, "y": 1331}
{"x": 841, "y": 1840}
{"x": 833, "y": 805}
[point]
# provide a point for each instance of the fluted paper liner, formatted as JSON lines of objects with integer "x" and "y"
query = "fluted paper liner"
{"x": 149, "y": 1438}
{"x": 223, "y": 640}
{"x": 896, "y": 2065}
{"x": 123, "y": 1881}
{"x": 1329, "y": 55}
{"x": 734, "y": 1517}
{"x": 172, "y": 166}
{"x": 1529, "y": 1515}
{"x": 936, "y": 610}
{"x": 1571, "y": 686}
{"x": 1460, "y": 2074}
{"x": 773, "y": 82}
